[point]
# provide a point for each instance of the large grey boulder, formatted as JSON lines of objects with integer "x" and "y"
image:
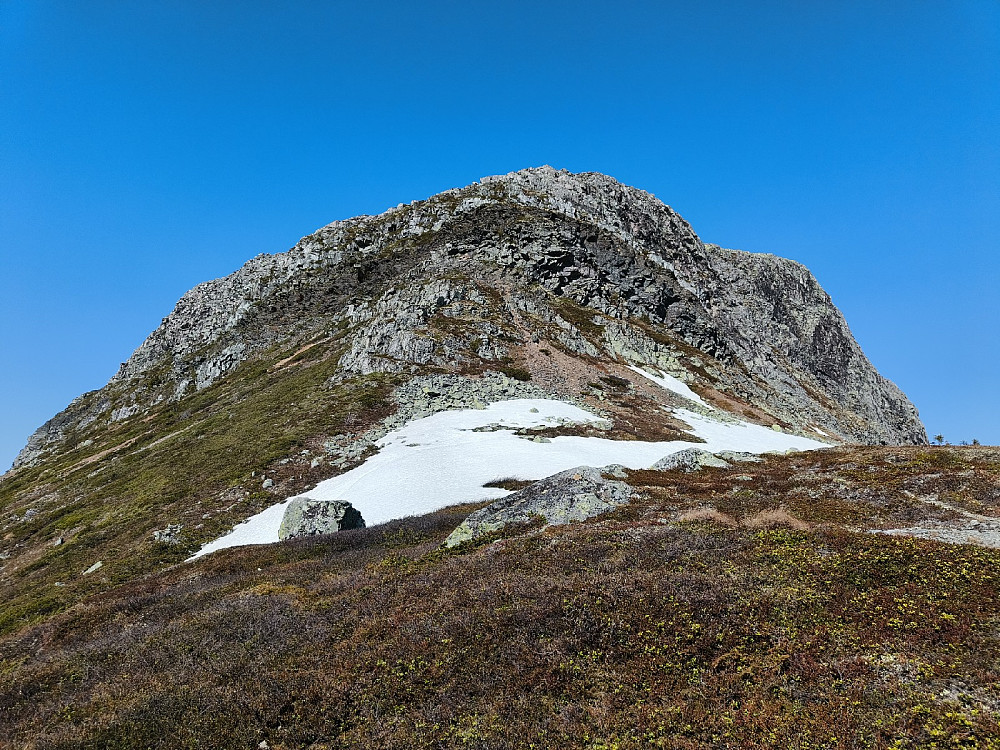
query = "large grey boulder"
{"x": 307, "y": 517}
{"x": 690, "y": 459}
{"x": 572, "y": 495}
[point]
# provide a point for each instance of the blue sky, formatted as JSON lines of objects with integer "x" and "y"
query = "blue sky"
{"x": 146, "y": 147}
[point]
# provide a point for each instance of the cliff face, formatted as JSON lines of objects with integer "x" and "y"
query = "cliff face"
{"x": 483, "y": 276}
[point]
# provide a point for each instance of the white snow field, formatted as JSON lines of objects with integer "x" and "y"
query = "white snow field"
{"x": 670, "y": 383}
{"x": 440, "y": 460}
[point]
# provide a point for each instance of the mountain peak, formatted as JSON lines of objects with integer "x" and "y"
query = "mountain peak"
{"x": 519, "y": 248}
{"x": 445, "y": 352}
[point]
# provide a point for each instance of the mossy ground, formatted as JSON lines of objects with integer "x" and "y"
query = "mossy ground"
{"x": 199, "y": 462}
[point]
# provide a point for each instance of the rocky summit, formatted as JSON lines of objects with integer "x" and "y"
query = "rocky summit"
{"x": 550, "y": 272}
{"x": 526, "y": 463}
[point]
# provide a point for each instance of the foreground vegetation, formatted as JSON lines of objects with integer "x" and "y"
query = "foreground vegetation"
{"x": 199, "y": 463}
{"x": 638, "y": 629}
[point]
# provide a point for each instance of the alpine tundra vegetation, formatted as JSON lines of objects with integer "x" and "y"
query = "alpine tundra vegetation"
{"x": 524, "y": 464}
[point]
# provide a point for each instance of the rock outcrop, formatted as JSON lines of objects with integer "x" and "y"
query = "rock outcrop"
{"x": 307, "y": 517}
{"x": 572, "y": 495}
{"x": 473, "y": 278}
{"x": 739, "y": 457}
{"x": 690, "y": 459}
{"x": 170, "y": 535}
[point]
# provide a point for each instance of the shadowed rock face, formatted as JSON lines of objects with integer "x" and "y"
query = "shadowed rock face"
{"x": 462, "y": 281}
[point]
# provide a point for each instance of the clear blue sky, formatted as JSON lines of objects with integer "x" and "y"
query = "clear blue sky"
{"x": 149, "y": 146}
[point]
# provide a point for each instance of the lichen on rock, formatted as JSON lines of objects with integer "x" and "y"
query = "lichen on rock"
{"x": 690, "y": 459}
{"x": 307, "y": 517}
{"x": 572, "y": 495}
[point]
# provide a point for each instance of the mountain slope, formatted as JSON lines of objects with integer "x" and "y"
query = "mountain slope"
{"x": 721, "y": 608}
{"x": 540, "y": 284}
{"x": 450, "y": 353}
{"x": 499, "y": 257}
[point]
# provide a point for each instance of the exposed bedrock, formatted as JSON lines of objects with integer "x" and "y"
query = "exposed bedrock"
{"x": 464, "y": 280}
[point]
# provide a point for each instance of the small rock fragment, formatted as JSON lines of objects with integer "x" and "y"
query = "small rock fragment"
{"x": 169, "y": 535}
{"x": 739, "y": 456}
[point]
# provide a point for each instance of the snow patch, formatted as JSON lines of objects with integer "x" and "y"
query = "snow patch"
{"x": 441, "y": 460}
{"x": 670, "y": 383}
{"x": 737, "y": 435}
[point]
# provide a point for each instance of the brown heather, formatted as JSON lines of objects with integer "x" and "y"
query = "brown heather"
{"x": 629, "y": 631}
{"x": 710, "y": 515}
{"x": 774, "y": 518}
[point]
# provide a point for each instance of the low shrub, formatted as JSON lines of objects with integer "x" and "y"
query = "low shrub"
{"x": 774, "y": 519}
{"x": 509, "y": 483}
{"x": 515, "y": 372}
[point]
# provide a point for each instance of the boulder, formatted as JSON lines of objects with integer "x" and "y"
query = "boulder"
{"x": 690, "y": 459}
{"x": 572, "y": 495}
{"x": 307, "y": 517}
{"x": 169, "y": 535}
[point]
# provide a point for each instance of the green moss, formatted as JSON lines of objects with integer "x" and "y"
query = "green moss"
{"x": 15, "y": 615}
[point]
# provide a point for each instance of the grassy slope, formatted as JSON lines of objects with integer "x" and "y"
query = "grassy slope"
{"x": 633, "y": 630}
{"x": 198, "y": 462}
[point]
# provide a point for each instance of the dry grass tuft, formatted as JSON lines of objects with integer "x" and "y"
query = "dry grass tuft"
{"x": 710, "y": 515}
{"x": 775, "y": 518}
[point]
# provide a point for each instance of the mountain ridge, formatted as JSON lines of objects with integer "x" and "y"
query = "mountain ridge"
{"x": 586, "y": 238}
